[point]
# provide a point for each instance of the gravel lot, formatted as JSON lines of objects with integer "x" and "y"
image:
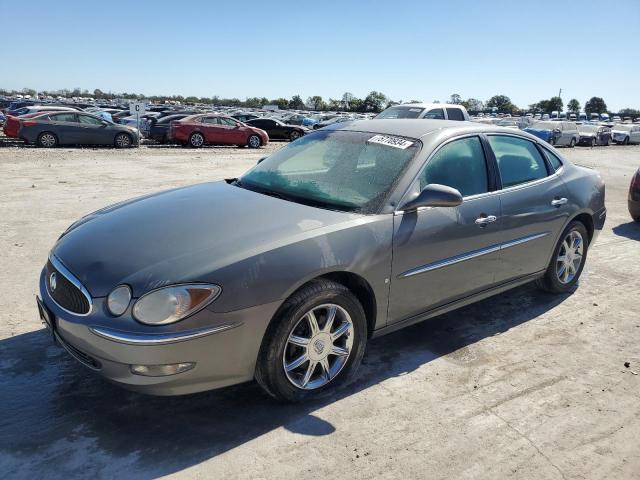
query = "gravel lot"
{"x": 522, "y": 385}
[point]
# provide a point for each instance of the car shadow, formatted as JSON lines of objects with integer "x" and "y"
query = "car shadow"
{"x": 629, "y": 230}
{"x": 60, "y": 419}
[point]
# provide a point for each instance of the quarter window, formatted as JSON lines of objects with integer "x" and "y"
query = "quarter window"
{"x": 519, "y": 161}
{"x": 553, "y": 159}
{"x": 459, "y": 164}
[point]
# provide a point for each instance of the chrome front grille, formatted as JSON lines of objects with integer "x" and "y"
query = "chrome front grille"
{"x": 66, "y": 290}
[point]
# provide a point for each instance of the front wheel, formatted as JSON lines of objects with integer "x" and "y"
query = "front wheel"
{"x": 315, "y": 344}
{"x": 568, "y": 260}
{"x": 552, "y": 141}
{"x": 594, "y": 142}
{"x": 294, "y": 135}
{"x": 626, "y": 141}
{"x": 254, "y": 141}
{"x": 123, "y": 140}
{"x": 572, "y": 143}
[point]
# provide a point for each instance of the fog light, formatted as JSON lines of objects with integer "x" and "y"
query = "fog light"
{"x": 161, "y": 370}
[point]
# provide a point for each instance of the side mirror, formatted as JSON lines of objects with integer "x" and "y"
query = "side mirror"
{"x": 434, "y": 195}
{"x": 263, "y": 158}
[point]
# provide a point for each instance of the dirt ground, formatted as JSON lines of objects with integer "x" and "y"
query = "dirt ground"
{"x": 523, "y": 385}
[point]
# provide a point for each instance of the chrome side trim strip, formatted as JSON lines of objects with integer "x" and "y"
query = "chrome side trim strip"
{"x": 519, "y": 241}
{"x": 449, "y": 261}
{"x": 157, "y": 338}
{"x": 468, "y": 256}
{"x": 72, "y": 278}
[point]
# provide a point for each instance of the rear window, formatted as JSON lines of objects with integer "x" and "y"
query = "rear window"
{"x": 435, "y": 114}
{"x": 401, "y": 112}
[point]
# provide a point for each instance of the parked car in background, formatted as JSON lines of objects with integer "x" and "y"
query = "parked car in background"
{"x": 431, "y": 111}
{"x": 634, "y": 196}
{"x": 245, "y": 117}
{"x": 13, "y": 124}
{"x": 331, "y": 121}
{"x": 301, "y": 120}
{"x": 555, "y": 132}
{"x": 3, "y": 119}
{"x": 592, "y": 135}
{"x": 626, "y": 133}
{"x": 291, "y": 268}
{"x": 277, "y": 129}
{"x": 40, "y": 108}
{"x": 199, "y": 130}
{"x": 69, "y": 128}
{"x": 159, "y": 127}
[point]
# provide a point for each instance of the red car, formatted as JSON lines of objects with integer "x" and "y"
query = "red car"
{"x": 13, "y": 124}
{"x": 198, "y": 130}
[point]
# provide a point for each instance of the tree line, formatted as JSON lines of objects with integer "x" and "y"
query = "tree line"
{"x": 374, "y": 102}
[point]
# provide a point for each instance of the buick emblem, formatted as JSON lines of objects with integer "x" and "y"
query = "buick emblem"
{"x": 53, "y": 282}
{"x": 318, "y": 346}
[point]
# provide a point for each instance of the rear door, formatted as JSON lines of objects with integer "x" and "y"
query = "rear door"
{"x": 534, "y": 205}
{"x": 66, "y": 127}
{"x": 445, "y": 253}
{"x": 211, "y": 129}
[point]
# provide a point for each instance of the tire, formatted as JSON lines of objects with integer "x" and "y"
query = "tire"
{"x": 608, "y": 144}
{"x": 47, "y": 140}
{"x": 308, "y": 363}
{"x": 594, "y": 142}
{"x": 196, "y": 140}
{"x": 572, "y": 143}
{"x": 626, "y": 141}
{"x": 294, "y": 135}
{"x": 123, "y": 140}
{"x": 552, "y": 141}
{"x": 254, "y": 141}
{"x": 557, "y": 280}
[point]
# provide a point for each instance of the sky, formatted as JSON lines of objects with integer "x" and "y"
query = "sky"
{"x": 424, "y": 50}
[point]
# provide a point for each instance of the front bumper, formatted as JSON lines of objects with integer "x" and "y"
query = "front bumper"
{"x": 634, "y": 208}
{"x": 224, "y": 350}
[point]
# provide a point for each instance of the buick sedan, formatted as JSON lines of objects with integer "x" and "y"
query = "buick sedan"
{"x": 283, "y": 274}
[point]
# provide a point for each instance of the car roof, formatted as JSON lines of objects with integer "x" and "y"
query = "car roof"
{"x": 428, "y": 105}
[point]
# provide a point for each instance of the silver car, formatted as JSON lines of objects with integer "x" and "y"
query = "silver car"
{"x": 283, "y": 274}
{"x": 625, "y": 133}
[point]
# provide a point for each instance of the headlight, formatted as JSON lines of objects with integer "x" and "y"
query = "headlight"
{"x": 118, "y": 300}
{"x": 170, "y": 304}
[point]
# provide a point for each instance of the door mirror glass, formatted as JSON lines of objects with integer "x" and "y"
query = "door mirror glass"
{"x": 434, "y": 195}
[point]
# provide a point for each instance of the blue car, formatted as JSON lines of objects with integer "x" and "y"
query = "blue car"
{"x": 547, "y": 131}
{"x": 2, "y": 119}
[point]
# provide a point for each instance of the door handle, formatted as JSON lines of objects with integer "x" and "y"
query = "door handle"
{"x": 485, "y": 220}
{"x": 556, "y": 202}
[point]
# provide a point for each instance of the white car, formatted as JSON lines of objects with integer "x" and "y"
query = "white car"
{"x": 625, "y": 133}
{"x": 432, "y": 111}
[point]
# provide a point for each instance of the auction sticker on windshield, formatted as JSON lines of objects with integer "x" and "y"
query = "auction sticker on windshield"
{"x": 395, "y": 142}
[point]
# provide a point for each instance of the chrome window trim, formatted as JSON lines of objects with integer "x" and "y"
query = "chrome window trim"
{"x": 71, "y": 278}
{"x": 470, "y": 255}
{"x": 130, "y": 338}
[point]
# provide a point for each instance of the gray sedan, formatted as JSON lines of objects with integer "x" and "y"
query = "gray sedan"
{"x": 283, "y": 274}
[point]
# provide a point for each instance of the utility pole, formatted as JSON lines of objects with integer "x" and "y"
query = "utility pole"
{"x": 560, "y": 93}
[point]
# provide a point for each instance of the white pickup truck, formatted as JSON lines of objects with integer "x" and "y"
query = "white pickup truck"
{"x": 437, "y": 111}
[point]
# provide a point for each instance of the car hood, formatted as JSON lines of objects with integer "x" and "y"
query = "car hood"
{"x": 182, "y": 235}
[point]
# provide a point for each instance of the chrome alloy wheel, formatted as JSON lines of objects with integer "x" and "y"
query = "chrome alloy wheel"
{"x": 47, "y": 140}
{"x": 254, "y": 141}
{"x": 196, "y": 140}
{"x": 318, "y": 347}
{"x": 569, "y": 257}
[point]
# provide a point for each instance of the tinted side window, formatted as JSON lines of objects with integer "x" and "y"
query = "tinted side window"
{"x": 459, "y": 164}
{"x": 519, "y": 161}
{"x": 210, "y": 120}
{"x": 64, "y": 117}
{"x": 455, "y": 114}
{"x": 435, "y": 114}
{"x": 89, "y": 120}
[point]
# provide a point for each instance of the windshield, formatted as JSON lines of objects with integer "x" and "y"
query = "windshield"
{"x": 401, "y": 112}
{"x": 343, "y": 170}
{"x": 588, "y": 129}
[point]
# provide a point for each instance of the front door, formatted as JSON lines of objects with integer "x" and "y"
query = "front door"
{"x": 93, "y": 132}
{"x": 445, "y": 253}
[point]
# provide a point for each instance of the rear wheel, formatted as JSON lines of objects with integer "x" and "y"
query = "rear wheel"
{"x": 123, "y": 140}
{"x": 608, "y": 141}
{"x": 552, "y": 141}
{"x": 626, "y": 141}
{"x": 315, "y": 344}
{"x": 254, "y": 141}
{"x": 47, "y": 140}
{"x": 572, "y": 143}
{"x": 568, "y": 260}
{"x": 196, "y": 140}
